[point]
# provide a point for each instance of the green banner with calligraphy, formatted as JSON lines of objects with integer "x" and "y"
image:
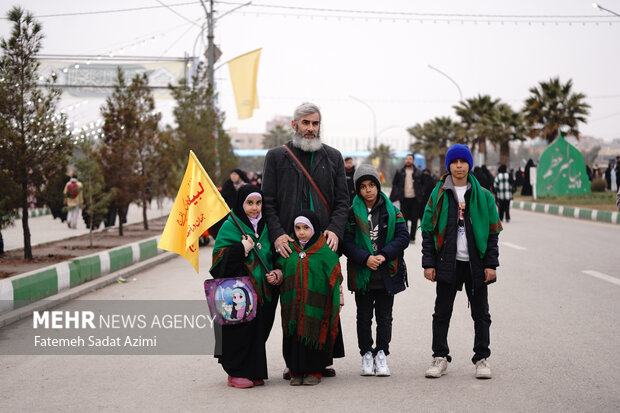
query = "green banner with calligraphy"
{"x": 561, "y": 170}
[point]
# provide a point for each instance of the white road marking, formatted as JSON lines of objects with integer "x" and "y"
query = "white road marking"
{"x": 511, "y": 245}
{"x": 602, "y": 276}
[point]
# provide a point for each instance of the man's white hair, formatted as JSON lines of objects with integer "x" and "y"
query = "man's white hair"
{"x": 307, "y": 145}
{"x": 305, "y": 109}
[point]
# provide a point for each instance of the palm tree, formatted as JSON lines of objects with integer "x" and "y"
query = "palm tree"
{"x": 423, "y": 143}
{"x": 507, "y": 127}
{"x": 552, "y": 106}
{"x": 276, "y": 136}
{"x": 381, "y": 158}
{"x": 433, "y": 138}
{"x": 477, "y": 121}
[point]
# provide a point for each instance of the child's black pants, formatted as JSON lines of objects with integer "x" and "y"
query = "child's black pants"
{"x": 382, "y": 303}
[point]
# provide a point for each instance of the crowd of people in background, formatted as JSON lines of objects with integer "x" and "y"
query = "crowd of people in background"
{"x": 411, "y": 199}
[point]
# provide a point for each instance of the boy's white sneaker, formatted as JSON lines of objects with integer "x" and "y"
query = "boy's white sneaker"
{"x": 368, "y": 364}
{"x": 483, "y": 370}
{"x": 438, "y": 367}
{"x": 381, "y": 366}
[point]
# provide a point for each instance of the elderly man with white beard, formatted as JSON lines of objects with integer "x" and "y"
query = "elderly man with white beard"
{"x": 287, "y": 190}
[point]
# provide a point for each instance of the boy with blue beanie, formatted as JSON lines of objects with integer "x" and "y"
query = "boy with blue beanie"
{"x": 460, "y": 231}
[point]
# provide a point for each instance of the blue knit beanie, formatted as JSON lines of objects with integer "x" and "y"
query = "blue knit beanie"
{"x": 458, "y": 151}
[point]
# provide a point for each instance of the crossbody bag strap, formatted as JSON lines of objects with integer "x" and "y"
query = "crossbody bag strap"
{"x": 316, "y": 188}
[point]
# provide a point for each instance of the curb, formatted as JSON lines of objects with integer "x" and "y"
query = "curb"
{"x": 68, "y": 295}
{"x": 23, "y": 289}
{"x": 570, "y": 212}
{"x": 37, "y": 212}
{"x": 32, "y": 213}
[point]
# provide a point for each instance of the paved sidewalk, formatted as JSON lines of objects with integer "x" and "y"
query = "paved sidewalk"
{"x": 46, "y": 229}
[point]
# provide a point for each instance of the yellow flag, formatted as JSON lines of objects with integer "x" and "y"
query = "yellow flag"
{"x": 243, "y": 73}
{"x": 198, "y": 206}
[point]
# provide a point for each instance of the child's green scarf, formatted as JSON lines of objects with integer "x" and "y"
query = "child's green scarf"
{"x": 228, "y": 235}
{"x": 359, "y": 274}
{"x": 482, "y": 210}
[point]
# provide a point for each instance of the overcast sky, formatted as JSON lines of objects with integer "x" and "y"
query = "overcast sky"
{"x": 326, "y": 51}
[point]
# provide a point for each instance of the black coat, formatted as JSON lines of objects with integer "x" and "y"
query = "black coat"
{"x": 392, "y": 251}
{"x": 287, "y": 190}
{"x": 398, "y": 184}
{"x": 483, "y": 176}
{"x": 428, "y": 184}
{"x": 351, "y": 183}
{"x": 444, "y": 261}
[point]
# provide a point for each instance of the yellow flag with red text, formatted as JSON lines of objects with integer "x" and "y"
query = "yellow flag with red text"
{"x": 197, "y": 207}
{"x": 243, "y": 73}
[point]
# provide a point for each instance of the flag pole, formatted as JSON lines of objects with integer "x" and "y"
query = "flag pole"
{"x": 254, "y": 247}
{"x": 193, "y": 155}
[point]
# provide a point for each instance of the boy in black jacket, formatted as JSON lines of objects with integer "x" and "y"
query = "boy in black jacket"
{"x": 375, "y": 238}
{"x": 460, "y": 233}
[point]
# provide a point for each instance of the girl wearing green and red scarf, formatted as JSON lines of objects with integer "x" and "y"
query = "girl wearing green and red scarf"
{"x": 460, "y": 233}
{"x": 242, "y": 345}
{"x": 310, "y": 301}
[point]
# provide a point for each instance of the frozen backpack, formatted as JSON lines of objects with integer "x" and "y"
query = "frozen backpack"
{"x": 231, "y": 300}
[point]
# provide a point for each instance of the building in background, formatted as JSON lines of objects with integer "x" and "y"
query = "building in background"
{"x": 251, "y": 140}
{"x": 245, "y": 140}
{"x": 280, "y": 120}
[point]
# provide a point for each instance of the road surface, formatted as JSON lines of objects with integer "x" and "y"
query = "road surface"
{"x": 554, "y": 340}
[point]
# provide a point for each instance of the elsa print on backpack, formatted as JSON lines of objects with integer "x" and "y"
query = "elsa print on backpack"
{"x": 231, "y": 301}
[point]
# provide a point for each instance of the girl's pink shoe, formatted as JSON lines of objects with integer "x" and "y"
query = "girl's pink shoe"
{"x": 239, "y": 382}
{"x": 259, "y": 382}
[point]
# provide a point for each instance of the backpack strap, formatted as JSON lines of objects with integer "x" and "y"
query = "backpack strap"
{"x": 316, "y": 188}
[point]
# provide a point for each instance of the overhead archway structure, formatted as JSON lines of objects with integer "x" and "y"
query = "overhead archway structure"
{"x": 86, "y": 81}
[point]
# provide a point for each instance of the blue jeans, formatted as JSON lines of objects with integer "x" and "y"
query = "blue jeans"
{"x": 381, "y": 302}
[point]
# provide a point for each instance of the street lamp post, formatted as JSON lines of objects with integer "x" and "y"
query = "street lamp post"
{"x": 374, "y": 118}
{"x": 598, "y": 6}
{"x": 210, "y": 66}
{"x": 449, "y": 78}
